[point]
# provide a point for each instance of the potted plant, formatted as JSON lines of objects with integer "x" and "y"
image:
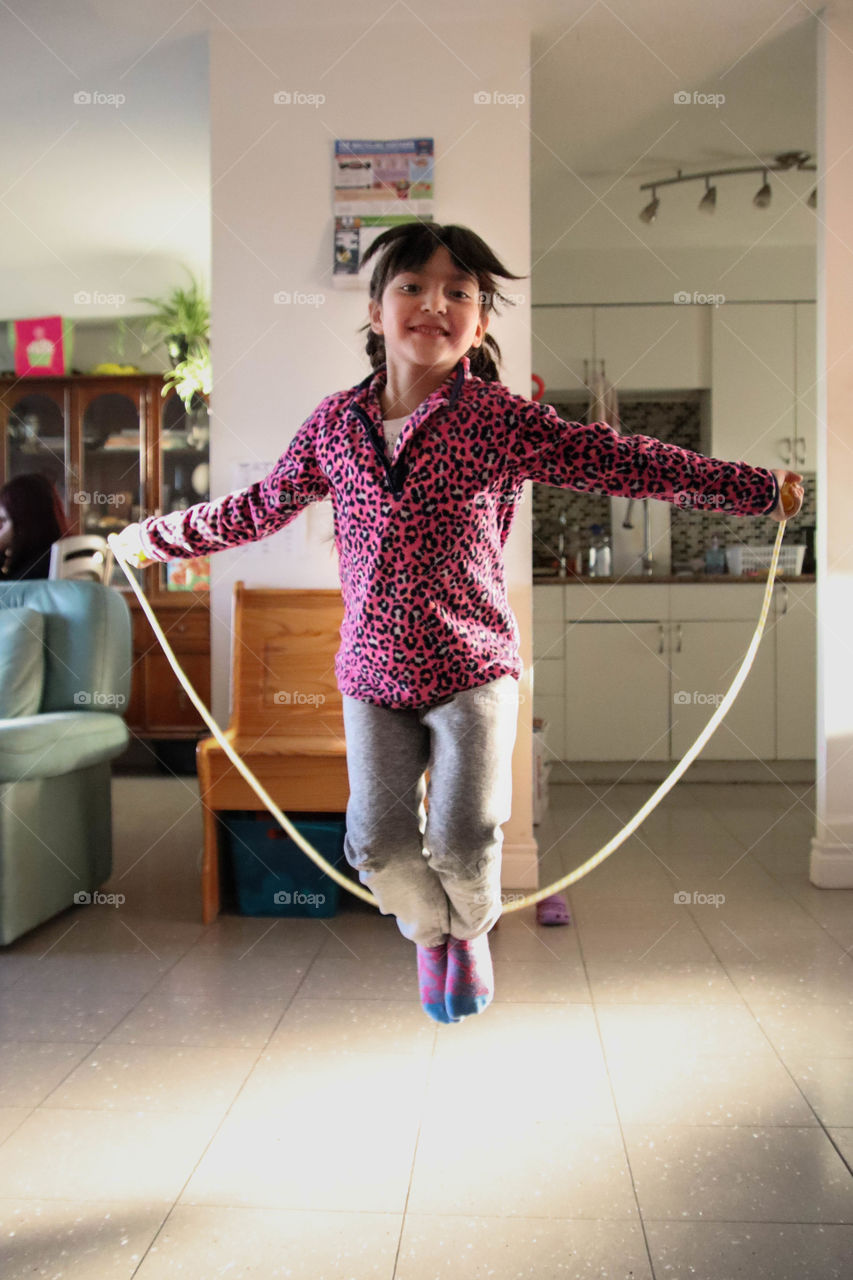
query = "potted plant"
{"x": 181, "y": 321}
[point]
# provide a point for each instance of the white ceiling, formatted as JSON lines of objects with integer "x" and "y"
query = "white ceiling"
{"x": 97, "y": 197}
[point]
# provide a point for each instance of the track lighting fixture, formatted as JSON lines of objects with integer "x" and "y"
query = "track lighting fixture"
{"x": 708, "y": 203}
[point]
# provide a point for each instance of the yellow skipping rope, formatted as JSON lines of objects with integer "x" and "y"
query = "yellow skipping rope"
{"x": 532, "y": 898}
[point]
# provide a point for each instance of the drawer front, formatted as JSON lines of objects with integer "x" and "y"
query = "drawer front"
{"x": 612, "y": 603}
{"x": 187, "y": 632}
{"x": 167, "y": 705}
{"x": 548, "y": 603}
{"x": 739, "y": 602}
{"x": 548, "y": 638}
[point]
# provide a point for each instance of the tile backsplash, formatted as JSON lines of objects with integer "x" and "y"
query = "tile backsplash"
{"x": 677, "y": 421}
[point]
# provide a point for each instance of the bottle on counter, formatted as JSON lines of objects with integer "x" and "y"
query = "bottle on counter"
{"x": 575, "y": 552}
{"x": 715, "y": 557}
{"x": 600, "y": 559}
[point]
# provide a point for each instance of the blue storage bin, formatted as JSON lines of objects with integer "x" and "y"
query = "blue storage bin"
{"x": 272, "y": 875}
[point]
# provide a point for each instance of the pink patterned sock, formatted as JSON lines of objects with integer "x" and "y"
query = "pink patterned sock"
{"x": 432, "y": 971}
{"x": 470, "y": 984}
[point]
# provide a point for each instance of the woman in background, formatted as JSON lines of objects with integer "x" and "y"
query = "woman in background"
{"x": 31, "y": 520}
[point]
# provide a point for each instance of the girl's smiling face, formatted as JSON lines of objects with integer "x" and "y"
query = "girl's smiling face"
{"x": 430, "y": 317}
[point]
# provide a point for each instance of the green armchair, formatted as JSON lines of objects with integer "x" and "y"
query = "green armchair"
{"x": 65, "y": 659}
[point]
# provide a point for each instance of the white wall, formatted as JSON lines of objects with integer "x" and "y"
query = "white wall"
{"x": 272, "y": 231}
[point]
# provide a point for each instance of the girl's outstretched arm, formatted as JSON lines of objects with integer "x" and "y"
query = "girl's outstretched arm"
{"x": 244, "y": 516}
{"x": 594, "y": 458}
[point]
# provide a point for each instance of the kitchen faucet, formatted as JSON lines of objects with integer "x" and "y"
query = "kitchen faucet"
{"x": 647, "y": 558}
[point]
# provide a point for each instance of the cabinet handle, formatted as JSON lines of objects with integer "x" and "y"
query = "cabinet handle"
{"x": 660, "y": 637}
{"x": 784, "y": 598}
{"x": 678, "y": 638}
{"x": 800, "y": 453}
{"x": 785, "y": 453}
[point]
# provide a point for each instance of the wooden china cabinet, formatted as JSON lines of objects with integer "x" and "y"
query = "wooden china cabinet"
{"x": 118, "y": 450}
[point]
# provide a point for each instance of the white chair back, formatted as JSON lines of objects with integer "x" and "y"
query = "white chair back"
{"x": 86, "y": 557}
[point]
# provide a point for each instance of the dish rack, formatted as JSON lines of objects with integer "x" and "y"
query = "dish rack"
{"x": 741, "y": 561}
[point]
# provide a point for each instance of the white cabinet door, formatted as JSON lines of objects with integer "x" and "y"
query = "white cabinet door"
{"x": 617, "y": 691}
{"x": 705, "y": 657}
{"x": 562, "y": 340}
{"x": 549, "y": 666}
{"x": 796, "y": 664}
{"x": 753, "y": 380}
{"x": 654, "y": 348}
{"x": 805, "y": 452}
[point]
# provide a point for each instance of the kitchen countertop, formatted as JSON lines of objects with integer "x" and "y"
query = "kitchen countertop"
{"x": 663, "y": 579}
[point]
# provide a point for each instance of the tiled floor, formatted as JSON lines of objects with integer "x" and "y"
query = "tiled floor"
{"x": 661, "y": 1090}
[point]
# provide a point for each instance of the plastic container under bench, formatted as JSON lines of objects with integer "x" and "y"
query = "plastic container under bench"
{"x": 272, "y": 876}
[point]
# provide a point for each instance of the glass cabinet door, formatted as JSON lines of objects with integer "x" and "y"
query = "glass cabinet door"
{"x": 110, "y": 478}
{"x": 110, "y": 491}
{"x": 35, "y": 428}
{"x": 184, "y": 481}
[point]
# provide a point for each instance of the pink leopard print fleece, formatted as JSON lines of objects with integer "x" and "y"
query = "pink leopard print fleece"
{"x": 420, "y": 536}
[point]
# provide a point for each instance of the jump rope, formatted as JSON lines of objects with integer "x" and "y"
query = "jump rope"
{"x": 532, "y": 898}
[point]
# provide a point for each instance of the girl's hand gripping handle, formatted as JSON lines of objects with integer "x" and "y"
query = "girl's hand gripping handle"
{"x": 791, "y": 494}
{"x": 128, "y": 545}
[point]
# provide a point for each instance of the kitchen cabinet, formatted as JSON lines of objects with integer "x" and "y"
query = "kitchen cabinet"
{"x": 763, "y": 376}
{"x": 805, "y": 441}
{"x": 617, "y": 685}
{"x": 549, "y": 668}
{"x": 644, "y": 348}
{"x": 117, "y": 451}
{"x": 654, "y": 348}
{"x": 704, "y": 659}
{"x": 562, "y": 341}
{"x": 795, "y": 633}
{"x": 634, "y": 672}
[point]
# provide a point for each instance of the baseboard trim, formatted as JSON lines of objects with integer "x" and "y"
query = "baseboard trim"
{"x": 830, "y": 865}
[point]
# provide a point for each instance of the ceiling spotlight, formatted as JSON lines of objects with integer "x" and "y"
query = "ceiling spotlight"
{"x": 651, "y": 210}
{"x": 708, "y": 203}
{"x": 812, "y": 200}
{"x": 763, "y": 196}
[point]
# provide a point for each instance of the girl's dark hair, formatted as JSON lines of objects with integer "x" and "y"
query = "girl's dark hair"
{"x": 409, "y": 247}
{"x": 35, "y": 509}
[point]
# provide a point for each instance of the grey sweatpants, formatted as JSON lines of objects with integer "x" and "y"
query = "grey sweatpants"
{"x": 437, "y": 871}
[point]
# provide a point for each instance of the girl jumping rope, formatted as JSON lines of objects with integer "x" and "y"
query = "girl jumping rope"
{"x": 424, "y": 462}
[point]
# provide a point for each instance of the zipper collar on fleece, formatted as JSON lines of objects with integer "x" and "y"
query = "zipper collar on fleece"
{"x": 366, "y": 397}
{"x": 460, "y": 374}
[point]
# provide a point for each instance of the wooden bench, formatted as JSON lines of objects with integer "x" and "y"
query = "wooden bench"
{"x": 287, "y": 716}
